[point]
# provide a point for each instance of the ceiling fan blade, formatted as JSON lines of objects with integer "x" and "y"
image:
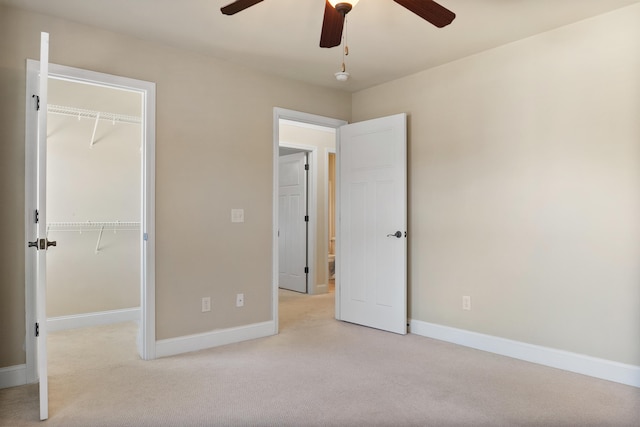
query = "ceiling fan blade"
{"x": 331, "y": 27}
{"x": 238, "y": 6}
{"x": 429, "y": 10}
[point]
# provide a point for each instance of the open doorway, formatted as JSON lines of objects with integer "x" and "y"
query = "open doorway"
{"x": 316, "y": 136}
{"x": 94, "y": 205}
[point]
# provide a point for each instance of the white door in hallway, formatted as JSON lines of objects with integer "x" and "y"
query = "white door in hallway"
{"x": 292, "y": 210}
{"x": 372, "y": 245}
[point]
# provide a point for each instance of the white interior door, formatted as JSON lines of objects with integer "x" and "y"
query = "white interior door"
{"x": 371, "y": 254}
{"x": 38, "y": 242}
{"x": 292, "y": 210}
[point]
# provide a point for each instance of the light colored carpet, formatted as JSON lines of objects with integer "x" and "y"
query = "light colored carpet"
{"x": 316, "y": 372}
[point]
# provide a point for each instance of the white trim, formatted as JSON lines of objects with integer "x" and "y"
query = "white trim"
{"x": 560, "y": 359}
{"x": 98, "y": 318}
{"x": 188, "y": 343}
{"x": 300, "y": 117}
{"x": 322, "y": 288}
{"x": 13, "y": 376}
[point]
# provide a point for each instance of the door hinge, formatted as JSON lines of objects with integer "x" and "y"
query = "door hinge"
{"x": 37, "y": 329}
{"x": 306, "y": 270}
{"x": 37, "y": 102}
{"x": 306, "y": 167}
{"x": 37, "y": 216}
{"x": 306, "y": 218}
{"x": 145, "y": 236}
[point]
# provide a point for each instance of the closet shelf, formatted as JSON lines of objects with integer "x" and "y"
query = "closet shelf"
{"x": 93, "y": 225}
{"x": 95, "y": 115}
{"x": 92, "y": 114}
{"x": 100, "y": 226}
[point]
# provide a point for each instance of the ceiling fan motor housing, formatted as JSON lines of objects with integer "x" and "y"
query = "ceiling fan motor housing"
{"x": 343, "y": 7}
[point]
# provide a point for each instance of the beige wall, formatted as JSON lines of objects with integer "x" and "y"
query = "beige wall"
{"x": 524, "y": 188}
{"x": 214, "y": 153}
{"x": 322, "y": 140}
{"x": 99, "y": 182}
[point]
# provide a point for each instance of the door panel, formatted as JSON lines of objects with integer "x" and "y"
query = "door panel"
{"x": 371, "y": 260}
{"x": 41, "y": 268}
{"x": 292, "y": 208}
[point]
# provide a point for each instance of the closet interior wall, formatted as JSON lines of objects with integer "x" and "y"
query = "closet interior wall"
{"x": 93, "y": 199}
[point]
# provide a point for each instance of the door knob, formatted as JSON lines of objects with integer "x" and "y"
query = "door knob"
{"x": 42, "y": 244}
{"x": 397, "y": 234}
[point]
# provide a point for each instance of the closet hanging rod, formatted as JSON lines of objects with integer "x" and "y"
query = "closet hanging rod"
{"x": 92, "y": 114}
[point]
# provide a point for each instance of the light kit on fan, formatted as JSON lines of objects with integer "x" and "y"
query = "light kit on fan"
{"x": 343, "y": 6}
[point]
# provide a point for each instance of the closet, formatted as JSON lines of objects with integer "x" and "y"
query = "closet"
{"x": 94, "y": 172}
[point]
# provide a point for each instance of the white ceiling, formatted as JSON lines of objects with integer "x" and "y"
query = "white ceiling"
{"x": 281, "y": 37}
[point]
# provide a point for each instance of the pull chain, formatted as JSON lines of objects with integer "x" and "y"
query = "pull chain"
{"x": 345, "y": 51}
{"x": 343, "y": 75}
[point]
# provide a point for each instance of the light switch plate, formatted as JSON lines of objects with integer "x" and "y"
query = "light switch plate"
{"x": 237, "y": 215}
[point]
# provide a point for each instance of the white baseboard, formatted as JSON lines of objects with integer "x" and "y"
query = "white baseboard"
{"x": 93, "y": 319}
{"x": 13, "y": 376}
{"x": 185, "y": 344}
{"x": 320, "y": 289}
{"x": 573, "y": 362}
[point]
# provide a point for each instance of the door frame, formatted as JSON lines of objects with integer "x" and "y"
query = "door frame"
{"x": 147, "y": 341}
{"x": 296, "y": 116}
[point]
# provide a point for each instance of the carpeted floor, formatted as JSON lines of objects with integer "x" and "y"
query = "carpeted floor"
{"x": 316, "y": 372}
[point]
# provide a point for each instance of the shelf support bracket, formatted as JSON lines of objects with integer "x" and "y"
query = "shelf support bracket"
{"x": 99, "y": 239}
{"x": 95, "y": 127}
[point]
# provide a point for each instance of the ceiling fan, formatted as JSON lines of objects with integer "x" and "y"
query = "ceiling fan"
{"x": 335, "y": 11}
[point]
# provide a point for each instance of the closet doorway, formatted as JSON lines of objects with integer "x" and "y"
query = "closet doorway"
{"x": 94, "y": 208}
{"x": 74, "y": 224}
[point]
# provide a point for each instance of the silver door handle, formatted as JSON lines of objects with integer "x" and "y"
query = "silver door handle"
{"x": 397, "y": 234}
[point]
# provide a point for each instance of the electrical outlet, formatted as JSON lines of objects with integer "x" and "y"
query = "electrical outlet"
{"x": 466, "y": 302}
{"x": 237, "y": 215}
{"x": 206, "y": 304}
{"x": 240, "y": 300}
